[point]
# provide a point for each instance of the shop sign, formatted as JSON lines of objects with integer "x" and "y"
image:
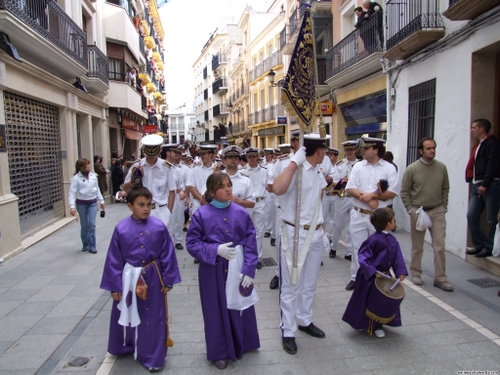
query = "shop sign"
{"x": 150, "y": 129}
{"x": 326, "y": 108}
{"x": 281, "y": 120}
{"x": 277, "y": 130}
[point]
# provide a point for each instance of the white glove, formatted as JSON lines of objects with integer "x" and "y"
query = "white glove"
{"x": 300, "y": 156}
{"x": 224, "y": 250}
{"x": 247, "y": 280}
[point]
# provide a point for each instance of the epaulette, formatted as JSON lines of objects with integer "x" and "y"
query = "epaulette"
{"x": 167, "y": 164}
{"x": 340, "y": 162}
{"x": 283, "y": 157}
{"x": 263, "y": 167}
{"x": 243, "y": 174}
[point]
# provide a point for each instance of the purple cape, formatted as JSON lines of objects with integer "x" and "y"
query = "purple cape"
{"x": 379, "y": 252}
{"x": 139, "y": 243}
{"x": 228, "y": 333}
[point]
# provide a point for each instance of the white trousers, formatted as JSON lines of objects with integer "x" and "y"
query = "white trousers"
{"x": 328, "y": 206}
{"x": 162, "y": 213}
{"x": 296, "y": 301}
{"x": 258, "y": 216}
{"x": 360, "y": 229}
{"x": 277, "y": 233}
{"x": 177, "y": 221}
{"x": 271, "y": 214}
{"x": 341, "y": 222}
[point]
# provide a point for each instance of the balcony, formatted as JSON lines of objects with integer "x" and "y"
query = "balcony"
{"x": 257, "y": 117}
{"x": 119, "y": 27}
{"x": 122, "y": 95}
{"x": 412, "y": 26}
{"x": 294, "y": 23}
{"x": 46, "y": 36}
{"x": 468, "y": 9}
{"x": 267, "y": 64}
{"x": 356, "y": 56}
{"x": 220, "y": 110}
{"x": 97, "y": 79}
{"x": 220, "y": 86}
{"x": 243, "y": 91}
{"x": 277, "y": 59}
{"x": 286, "y": 45}
{"x": 321, "y": 6}
{"x": 218, "y": 59}
{"x": 270, "y": 113}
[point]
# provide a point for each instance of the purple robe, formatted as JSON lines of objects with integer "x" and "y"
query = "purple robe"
{"x": 228, "y": 333}
{"x": 139, "y": 242}
{"x": 380, "y": 252}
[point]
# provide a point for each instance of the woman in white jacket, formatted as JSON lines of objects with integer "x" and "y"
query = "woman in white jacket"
{"x": 84, "y": 193}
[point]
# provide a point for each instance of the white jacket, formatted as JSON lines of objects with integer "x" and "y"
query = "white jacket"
{"x": 84, "y": 189}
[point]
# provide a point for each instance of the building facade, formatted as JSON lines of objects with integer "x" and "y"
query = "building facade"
{"x": 69, "y": 98}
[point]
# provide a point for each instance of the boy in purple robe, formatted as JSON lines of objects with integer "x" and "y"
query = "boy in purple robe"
{"x": 215, "y": 229}
{"x": 380, "y": 252}
{"x": 141, "y": 257}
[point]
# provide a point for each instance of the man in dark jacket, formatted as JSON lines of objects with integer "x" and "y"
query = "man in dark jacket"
{"x": 483, "y": 170}
{"x": 370, "y": 9}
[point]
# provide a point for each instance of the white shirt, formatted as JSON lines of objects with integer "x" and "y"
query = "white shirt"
{"x": 84, "y": 188}
{"x": 326, "y": 167}
{"x": 198, "y": 177}
{"x": 242, "y": 186}
{"x": 280, "y": 164}
{"x": 159, "y": 179}
{"x": 258, "y": 177}
{"x": 183, "y": 172}
{"x": 343, "y": 169}
{"x": 365, "y": 177}
{"x": 313, "y": 183}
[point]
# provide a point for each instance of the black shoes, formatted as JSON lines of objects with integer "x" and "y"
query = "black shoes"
{"x": 94, "y": 251}
{"x": 333, "y": 254}
{"x": 351, "y": 285}
{"x": 275, "y": 283}
{"x": 259, "y": 265}
{"x": 221, "y": 364}
{"x": 312, "y": 330}
{"x": 273, "y": 241}
{"x": 196, "y": 261}
{"x": 289, "y": 345}
{"x": 473, "y": 251}
{"x": 483, "y": 254}
{"x": 155, "y": 369}
{"x": 267, "y": 234}
{"x": 178, "y": 246}
{"x": 348, "y": 257}
{"x": 184, "y": 229}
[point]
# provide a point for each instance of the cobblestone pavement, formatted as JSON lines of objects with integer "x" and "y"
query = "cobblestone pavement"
{"x": 51, "y": 310}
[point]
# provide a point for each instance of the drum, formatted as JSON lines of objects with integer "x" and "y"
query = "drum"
{"x": 383, "y": 303}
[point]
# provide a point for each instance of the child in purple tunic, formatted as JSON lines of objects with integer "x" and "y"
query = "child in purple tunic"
{"x": 380, "y": 252}
{"x": 140, "y": 253}
{"x": 215, "y": 229}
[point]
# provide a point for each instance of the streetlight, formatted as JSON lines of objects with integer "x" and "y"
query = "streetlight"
{"x": 271, "y": 76}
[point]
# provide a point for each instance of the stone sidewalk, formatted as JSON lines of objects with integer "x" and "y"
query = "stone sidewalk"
{"x": 51, "y": 309}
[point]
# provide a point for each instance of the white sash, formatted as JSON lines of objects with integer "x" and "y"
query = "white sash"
{"x": 235, "y": 301}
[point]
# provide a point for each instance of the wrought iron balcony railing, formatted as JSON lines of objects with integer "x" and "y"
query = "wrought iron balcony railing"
{"x": 368, "y": 38}
{"x": 218, "y": 59}
{"x": 51, "y": 22}
{"x": 277, "y": 59}
{"x": 294, "y": 21}
{"x": 243, "y": 90}
{"x": 219, "y": 84}
{"x": 267, "y": 64}
{"x": 98, "y": 65}
{"x": 405, "y": 17}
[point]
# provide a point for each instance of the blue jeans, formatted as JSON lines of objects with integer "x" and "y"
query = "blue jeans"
{"x": 87, "y": 215}
{"x": 490, "y": 200}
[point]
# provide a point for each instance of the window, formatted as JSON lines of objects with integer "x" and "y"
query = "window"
{"x": 281, "y": 139}
{"x": 116, "y": 70}
{"x": 421, "y": 112}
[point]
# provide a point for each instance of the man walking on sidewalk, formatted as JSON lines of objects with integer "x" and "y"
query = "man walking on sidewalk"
{"x": 484, "y": 173}
{"x": 425, "y": 184}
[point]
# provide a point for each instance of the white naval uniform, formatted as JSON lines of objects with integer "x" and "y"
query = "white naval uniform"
{"x": 197, "y": 178}
{"x": 160, "y": 180}
{"x": 270, "y": 205}
{"x": 343, "y": 206}
{"x": 242, "y": 186}
{"x": 280, "y": 164}
{"x": 328, "y": 202}
{"x": 296, "y": 301}
{"x": 258, "y": 178}
{"x": 365, "y": 177}
{"x": 177, "y": 221}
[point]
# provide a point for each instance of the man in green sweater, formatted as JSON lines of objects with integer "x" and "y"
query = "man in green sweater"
{"x": 425, "y": 184}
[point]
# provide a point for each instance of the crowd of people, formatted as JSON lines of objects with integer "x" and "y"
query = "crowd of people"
{"x": 300, "y": 197}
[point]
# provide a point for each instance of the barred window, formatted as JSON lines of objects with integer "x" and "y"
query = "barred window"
{"x": 421, "y": 112}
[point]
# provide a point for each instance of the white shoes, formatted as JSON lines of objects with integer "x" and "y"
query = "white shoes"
{"x": 379, "y": 332}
